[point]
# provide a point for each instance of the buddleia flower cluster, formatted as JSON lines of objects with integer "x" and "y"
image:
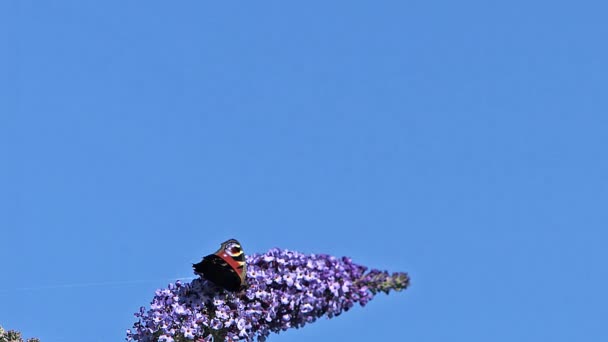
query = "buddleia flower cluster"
{"x": 286, "y": 289}
{"x": 13, "y": 336}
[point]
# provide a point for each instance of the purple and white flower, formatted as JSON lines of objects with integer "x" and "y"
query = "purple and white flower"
{"x": 286, "y": 289}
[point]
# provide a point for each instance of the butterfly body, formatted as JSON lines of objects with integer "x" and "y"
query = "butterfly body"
{"x": 226, "y": 267}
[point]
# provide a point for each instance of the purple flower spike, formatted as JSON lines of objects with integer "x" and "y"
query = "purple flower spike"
{"x": 286, "y": 290}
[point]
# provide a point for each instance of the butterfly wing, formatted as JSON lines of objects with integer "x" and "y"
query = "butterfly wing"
{"x": 218, "y": 271}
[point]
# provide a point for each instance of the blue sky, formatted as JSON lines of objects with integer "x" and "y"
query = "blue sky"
{"x": 463, "y": 142}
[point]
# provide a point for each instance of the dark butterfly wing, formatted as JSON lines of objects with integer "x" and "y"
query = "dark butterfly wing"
{"x": 217, "y": 271}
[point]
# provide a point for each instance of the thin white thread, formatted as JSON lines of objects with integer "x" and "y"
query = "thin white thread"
{"x": 93, "y": 284}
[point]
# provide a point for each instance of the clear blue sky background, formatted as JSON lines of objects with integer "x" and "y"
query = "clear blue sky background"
{"x": 464, "y": 142}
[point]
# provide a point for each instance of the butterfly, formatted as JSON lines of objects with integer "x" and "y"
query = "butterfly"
{"x": 225, "y": 268}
